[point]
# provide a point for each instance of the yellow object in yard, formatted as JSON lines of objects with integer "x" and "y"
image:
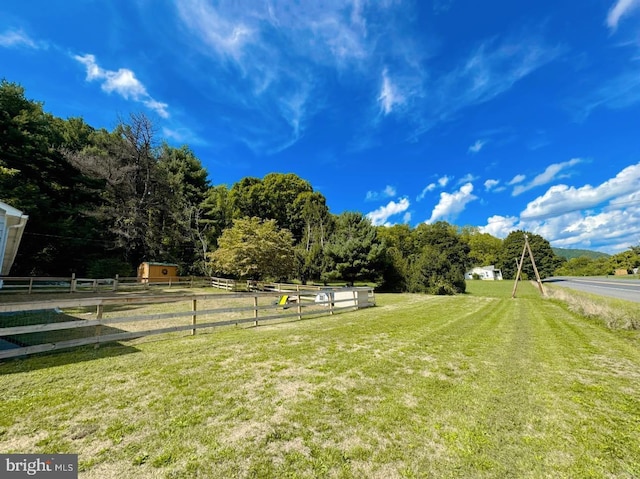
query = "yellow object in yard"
{"x": 283, "y": 300}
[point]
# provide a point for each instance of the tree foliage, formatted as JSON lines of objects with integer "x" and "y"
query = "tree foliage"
{"x": 354, "y": 251}
{"x": 546, "y": 260}
{"x": 255, "y": 249}
{"x": 441, "y": 263}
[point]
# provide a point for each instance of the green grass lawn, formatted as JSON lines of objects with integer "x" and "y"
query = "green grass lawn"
{"x": 477, "y": 385}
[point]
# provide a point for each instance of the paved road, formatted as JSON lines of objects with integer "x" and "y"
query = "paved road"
{"x": 627, "y": 289}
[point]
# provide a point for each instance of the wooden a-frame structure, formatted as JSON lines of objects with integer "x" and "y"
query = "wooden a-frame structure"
{"x": 533, "y": 262}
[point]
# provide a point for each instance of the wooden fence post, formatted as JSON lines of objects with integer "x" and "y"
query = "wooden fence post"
{"x": 30, "y": 285}
{"x": 299, "y": 306}
{"x": 73, "y": 283}
{"x": 115, "y": 282}
{"x": 99, "y": 312}
{"x": 255, "y": 310}
{"x": 194, "y": 316}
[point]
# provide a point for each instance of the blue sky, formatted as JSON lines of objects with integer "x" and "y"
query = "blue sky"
{"x": 498, "y": 114}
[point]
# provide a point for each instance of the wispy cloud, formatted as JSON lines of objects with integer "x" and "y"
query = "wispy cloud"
{"x": 490, "y": 185}
{"x": 123, "y": 82}
{"x": 477, "y": 146}
{"x": 621, "y": 91}
{"x": 182, "y": 135}
{"x": 15, "y": 38}
{"x": 621, "y": 9}
{"x": 452, "y": 204}
{"x": 388, "y": 192}
{"x": 276, "y": 52}
{"x": 389, "y": 95}
{"x": 551, "y": 173}
{"x": 491, "y": 69}
{"x": 442, "y": 182}
{"x": 517, "y": 179}
{"x": 381, "y": 216}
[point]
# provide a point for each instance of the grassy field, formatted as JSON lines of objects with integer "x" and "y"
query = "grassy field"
{"x": 477, "y": 385}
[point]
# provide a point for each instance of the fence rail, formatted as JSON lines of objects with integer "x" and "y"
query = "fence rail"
{"x": 72, "y": 284}
{"x": 38, "y": 326}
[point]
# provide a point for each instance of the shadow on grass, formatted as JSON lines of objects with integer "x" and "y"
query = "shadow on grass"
{"x": 63, "y": 357}
{"x": 55, "y": 357}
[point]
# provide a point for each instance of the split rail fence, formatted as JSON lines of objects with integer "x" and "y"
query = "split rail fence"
{"x": 41, "y": 326}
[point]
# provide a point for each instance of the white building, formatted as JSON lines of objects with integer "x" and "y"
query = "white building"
{"x": 12, "y": 223}
{"x": 489, "y": 273}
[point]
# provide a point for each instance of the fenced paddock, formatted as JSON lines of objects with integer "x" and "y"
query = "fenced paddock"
{"x": 40, "y": 326}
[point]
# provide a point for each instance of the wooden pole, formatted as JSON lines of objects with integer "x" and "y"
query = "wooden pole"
{"x": 99, "y": 312}
{"x": 533, "y": 262}
{"x": 299, "y": 307}
{"x": 194, "y": 316}
{"x": 515, "y": 286}
{"x": 255, "y": 310}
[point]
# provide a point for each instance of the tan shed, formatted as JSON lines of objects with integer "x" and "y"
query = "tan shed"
{"x": 149, "y": 272}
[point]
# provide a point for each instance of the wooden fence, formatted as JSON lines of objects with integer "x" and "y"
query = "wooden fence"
{"x": 72, "y": 284}
{"x": 40, "y": 326}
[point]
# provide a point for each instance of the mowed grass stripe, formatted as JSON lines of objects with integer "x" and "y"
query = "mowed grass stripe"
{"x": 477, "y": 385}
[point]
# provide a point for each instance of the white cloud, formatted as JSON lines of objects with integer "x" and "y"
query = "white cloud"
{"x": 452, "y": 204}
{"x": 491, "y": 184}
{"x": 517, "y": 179}
{"x": 620, "y": 9}
{"x": 381, "y": 215}
{"x": 477, "y": 146}
{"x": 388, "y": 192}
{"x": 469, "y": 177}
{"x": 499, "y": 226}
{"x": 551, "y": 173}
{"x": 425, "y": 190}
{"x": 123, "y": 82}
{"x": 560, "y": 199}
{"x": 605, "y": 217}
{"x": 442, "y": 182}
{"x": 17, "y": 38}
{"x": 389, "y": 95}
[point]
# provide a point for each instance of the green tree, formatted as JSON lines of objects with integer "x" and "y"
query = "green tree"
{"x": 354, "y": 251}
{"x": 186, "y": 182}
{"x": 217, "y": 214}
{"x": 584, "y": 266}
{"x": 36, "y": 178}
{"x": 484, "y": 248}
{"x": 311, "y": 209}
{"x": 440, "y": 265}
{"x": 512, "y": 246}
{"x": 433, "y": 272}
{"x": 273, "y": 197}
{"x": 135, "y": 199}
{"x": 254, "y": 249}
{"x": 628, "y": 260}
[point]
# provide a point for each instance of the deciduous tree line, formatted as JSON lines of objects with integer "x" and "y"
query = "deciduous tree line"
{"x": 100, "y": 202}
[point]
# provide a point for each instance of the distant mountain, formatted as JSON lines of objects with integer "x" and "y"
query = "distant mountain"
{"x": 577, "y": 253}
